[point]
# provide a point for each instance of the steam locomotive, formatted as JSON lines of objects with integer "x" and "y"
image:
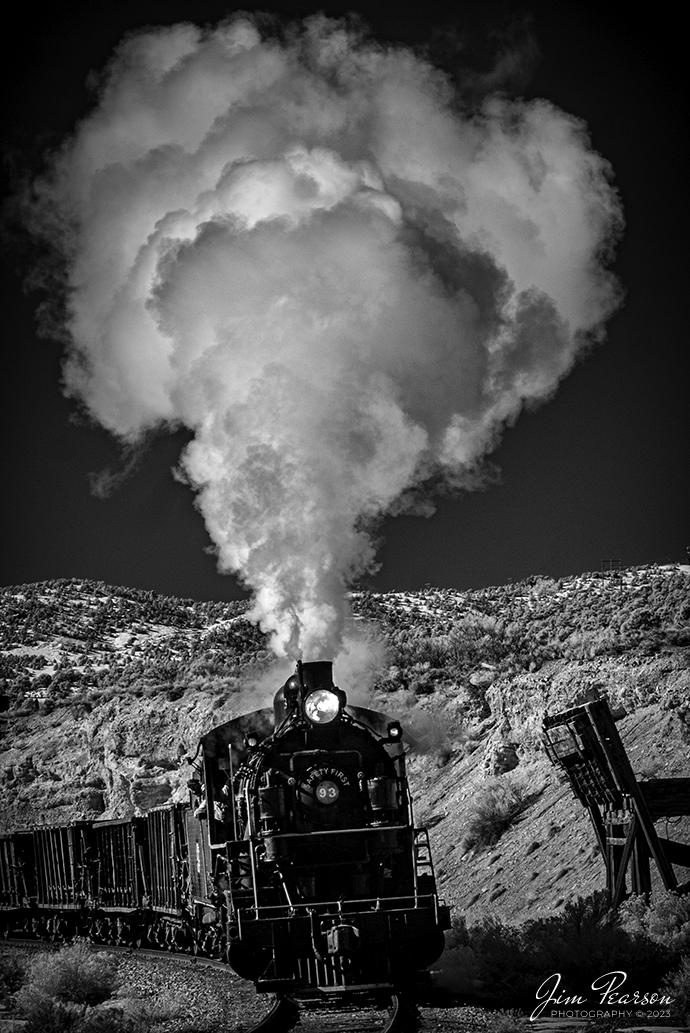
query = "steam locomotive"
{"x": 295, "y": 860}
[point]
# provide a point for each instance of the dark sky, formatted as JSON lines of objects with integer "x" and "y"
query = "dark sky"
{"x": 599, "y": 472}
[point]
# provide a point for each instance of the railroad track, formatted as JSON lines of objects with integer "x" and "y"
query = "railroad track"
{"x": 363, "y": 1020}
{"x": 399, "y": 1017}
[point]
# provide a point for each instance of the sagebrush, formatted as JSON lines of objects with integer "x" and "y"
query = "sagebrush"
{"x": 12, "y": 972}
{"x": 62, "y": 992}
{"x": 495, "y": 809}
{"x": 677, "y": 986}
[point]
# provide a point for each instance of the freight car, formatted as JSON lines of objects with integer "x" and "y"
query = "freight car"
{"x": 295, "y": 860}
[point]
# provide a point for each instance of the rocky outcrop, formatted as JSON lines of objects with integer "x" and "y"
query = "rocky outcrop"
{"x": 519, "y": 703}
{"x": 500, "y": 757}
{"x": 123, "y": 758}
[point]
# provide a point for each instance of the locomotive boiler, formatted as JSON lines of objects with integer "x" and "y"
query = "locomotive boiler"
{"x": 296, "y": 860}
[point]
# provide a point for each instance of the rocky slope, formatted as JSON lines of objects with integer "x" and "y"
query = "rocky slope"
{"x": 108, "y": 690}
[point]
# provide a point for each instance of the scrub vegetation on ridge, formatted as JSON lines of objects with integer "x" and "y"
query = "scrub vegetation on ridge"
{"x": 76, "y": 641}
{"x": 108, "y": 690}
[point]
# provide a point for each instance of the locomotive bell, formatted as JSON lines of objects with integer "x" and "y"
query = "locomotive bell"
{"x": 286, "y": 700}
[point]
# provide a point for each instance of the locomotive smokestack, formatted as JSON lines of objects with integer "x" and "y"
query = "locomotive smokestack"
{"x": 317, "y": 674}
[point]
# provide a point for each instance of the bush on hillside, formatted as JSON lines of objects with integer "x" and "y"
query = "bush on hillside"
{"x": 495, "y": 809}
{"x": 515, "y": 629}
{"x": 434, "y": 637}
{"x": 502, "y": 965}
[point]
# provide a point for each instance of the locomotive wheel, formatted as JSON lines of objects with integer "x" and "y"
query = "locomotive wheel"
{"x": 283, "y": 1016}
{"x": 58, "y": 929}
{"x": 205, "y": 943}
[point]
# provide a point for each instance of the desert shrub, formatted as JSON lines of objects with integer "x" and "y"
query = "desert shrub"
{"x": 504, "y": 965}
{"x": 486, "y": 963}
{"x": 75, "y": 975}
{"x": 71, "y": 992}
{"x": 665, "y": 920}
{"x": 48, "y": 1015}
{"x": 495, "y": 810}
{"x": 474, "y": 963}
{"x": 504, "y": 970}
{"x": 457, "y": 970}
{"x": 677, "y": 986}
{"x": 11, "y": 976}
{"x": 587, "y": 938}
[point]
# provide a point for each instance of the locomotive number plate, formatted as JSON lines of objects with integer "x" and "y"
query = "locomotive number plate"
{"x": 327, "y": 791}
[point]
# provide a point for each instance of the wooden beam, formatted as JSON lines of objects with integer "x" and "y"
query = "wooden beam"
{"x": 622, "y": 771}
{"x": 676, "y": 853}
{"x": 641, "y": 876}
{"x": 619, "y": 886}
{"x": 601, "y": 775}
{"x": 597, "y": 821}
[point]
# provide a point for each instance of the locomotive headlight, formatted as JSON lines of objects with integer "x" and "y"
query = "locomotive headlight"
{"x": 321, "y": 706}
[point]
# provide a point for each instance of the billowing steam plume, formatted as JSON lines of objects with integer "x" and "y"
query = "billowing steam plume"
{"x": 301, "y": 251}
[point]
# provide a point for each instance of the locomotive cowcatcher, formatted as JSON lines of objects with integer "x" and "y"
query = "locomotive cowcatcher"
{"x": 308, "y": 838}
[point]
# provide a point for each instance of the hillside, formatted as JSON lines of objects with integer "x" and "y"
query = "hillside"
{"x": 108, "y": 690}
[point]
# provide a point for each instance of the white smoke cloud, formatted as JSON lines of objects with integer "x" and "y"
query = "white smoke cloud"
{"x": 303, "y": 253}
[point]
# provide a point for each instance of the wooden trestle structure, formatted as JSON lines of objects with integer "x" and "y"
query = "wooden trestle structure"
{"x": 584, "y": 742}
